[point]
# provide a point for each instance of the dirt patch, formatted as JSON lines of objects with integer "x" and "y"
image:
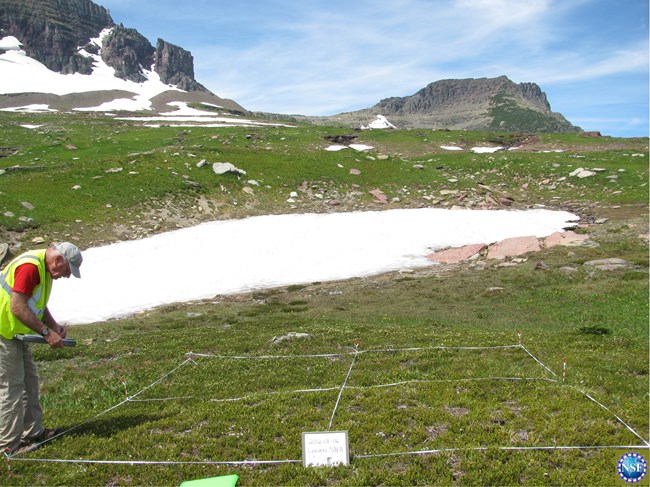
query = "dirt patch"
{"x": 456, "y": 411}
{"x": 8, "y": 151}
{"x": 436, "y": 430}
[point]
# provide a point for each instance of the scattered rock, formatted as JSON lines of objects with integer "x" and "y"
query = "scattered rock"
{"x": 455, "y": 255}
{"x": 226, "y": 167}
{"x": 27, "y": 205}
{"x": 38, "y": 240}
{"x": 513, "y": 246}
{"x": 490, "y": 200}
{"x": 611, "y": 264}
{"x": 567, "y": 269}
{"x": 581, "y": 173}
{"x": 568, "y": 239}
{"x": 71, "y": 147}
{"x": 506, "y": 200}
{"x": 486, "y": 187}
{"x": 289, "y": 336}
{"x": 510, "y": 247}
{"x": 379, "y": 195}
{"x": 355, "y": 172}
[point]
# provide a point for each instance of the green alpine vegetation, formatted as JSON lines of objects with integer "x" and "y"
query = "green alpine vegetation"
{"x": 533, "y": 373}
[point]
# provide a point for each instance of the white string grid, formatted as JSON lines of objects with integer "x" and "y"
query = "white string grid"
{"x": 355, "y": 353}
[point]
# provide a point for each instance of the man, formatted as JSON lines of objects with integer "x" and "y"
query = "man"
{"x": 25, "y": 286}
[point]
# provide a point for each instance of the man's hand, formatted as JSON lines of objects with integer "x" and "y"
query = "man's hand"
{"x": 54, "y": 340}
{"x": 61, "y": 330}
{"x": 49, "y": 320}
{"x": 20, "y": 308}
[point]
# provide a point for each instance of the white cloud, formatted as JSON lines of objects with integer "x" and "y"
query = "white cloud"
{"x": 349, "y": 58}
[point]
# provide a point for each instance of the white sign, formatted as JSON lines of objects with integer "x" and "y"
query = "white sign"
{"x": 327, "y": 448}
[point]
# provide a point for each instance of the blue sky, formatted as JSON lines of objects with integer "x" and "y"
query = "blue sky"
{"x": 322, "y": 57}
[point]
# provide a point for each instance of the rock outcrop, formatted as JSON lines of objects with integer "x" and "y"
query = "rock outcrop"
{"x": 508, "y": 248}
{"x": 127, "y": 52}
{"x": 175, "y": 66}
{"x": 484, "y": 103}
{"x": 55, "y": 32}
{"x": 466, "y": 104}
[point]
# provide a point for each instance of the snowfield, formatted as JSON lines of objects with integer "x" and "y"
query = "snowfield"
{"x": 234, "y": 256}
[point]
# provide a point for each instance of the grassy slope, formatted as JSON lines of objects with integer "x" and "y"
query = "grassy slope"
{"x": 597, "y": 321}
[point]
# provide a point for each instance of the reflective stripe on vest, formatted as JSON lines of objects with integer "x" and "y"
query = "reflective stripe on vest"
{"x": 35, "y": 298}
{"x": 10, "y": 324}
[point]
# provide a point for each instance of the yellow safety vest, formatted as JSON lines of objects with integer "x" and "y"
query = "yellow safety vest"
{"x": 9, "y": 323}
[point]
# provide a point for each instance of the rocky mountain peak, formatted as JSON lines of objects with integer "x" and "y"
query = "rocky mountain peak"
{"x": 469, "y": 104}
{"x": 52, "y": 31}
{"x": 457, "y": 92}
{"x": 127, "y": 51}
{"x": 57, "y": 32}
{"x": 175, "y": 66}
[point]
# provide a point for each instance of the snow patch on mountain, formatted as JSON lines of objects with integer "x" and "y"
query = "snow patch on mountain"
{"x": 22, "y": 74}
{"x": 379, "y": 123}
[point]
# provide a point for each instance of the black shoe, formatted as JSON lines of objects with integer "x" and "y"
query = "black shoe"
{"x": 47, "y": 434}
{"x": 22, "y": 448}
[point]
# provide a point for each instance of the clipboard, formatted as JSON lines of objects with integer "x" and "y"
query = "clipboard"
{"x": 67, "y": 342}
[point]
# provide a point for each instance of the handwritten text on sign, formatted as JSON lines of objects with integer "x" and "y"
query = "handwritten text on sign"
{"x": 326, "y": 448}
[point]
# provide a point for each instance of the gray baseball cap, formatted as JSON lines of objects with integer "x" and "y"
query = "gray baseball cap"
{"x": 72, "y": 255}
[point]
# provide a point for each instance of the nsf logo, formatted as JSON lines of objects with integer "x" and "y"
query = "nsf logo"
{"x": 632, "y": 467}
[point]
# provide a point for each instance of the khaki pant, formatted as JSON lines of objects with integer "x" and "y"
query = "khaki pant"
{"x": 21, "y": 416}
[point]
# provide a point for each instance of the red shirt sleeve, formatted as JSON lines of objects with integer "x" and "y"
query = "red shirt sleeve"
{"x": 26, "y": 278}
